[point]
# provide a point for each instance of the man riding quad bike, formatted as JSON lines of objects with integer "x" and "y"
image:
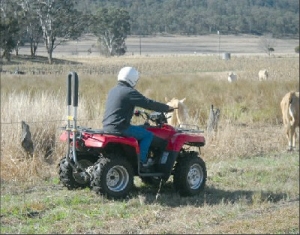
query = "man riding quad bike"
{"x": 107, "y": 161}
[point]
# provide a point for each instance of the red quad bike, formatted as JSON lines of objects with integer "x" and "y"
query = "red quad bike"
{"x": 108, "y": 162}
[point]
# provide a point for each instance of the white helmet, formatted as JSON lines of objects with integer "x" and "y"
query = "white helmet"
{"x": 129, "y": 75}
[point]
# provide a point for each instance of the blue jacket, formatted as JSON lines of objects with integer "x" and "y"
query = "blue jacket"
{"x": 120, "y": 104}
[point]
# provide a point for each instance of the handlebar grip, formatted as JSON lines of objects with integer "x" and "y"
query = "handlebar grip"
{"x": 171, "y": 110}
{"x": 72, "y": 76}
{"x": 69, "y": 90}
{"x": 75, "y": 95}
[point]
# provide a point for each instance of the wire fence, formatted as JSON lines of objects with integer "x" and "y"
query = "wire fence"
{"x": 51, "y": 121}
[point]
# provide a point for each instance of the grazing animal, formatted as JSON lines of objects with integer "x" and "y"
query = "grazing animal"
{"x": 290, "y": 115}
{"x": 232, "y": 77}
{"x": 180, "y": 113}
{"x": 263, "y": 74}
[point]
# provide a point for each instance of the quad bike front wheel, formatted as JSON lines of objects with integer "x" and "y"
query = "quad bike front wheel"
{"x": 66, "y": 174}
{"x": 112, "y": 176}
{"x": 190, "y": 175}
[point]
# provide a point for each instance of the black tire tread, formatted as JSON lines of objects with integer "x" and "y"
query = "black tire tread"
{"x": 101, "y": 167}
{"x": 181, "y": 170}
{"x": 66, "y": 175}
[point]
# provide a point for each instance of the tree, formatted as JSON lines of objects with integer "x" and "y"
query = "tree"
{"x": 9, "y": 29}
{"x": 31, "y": 25}
{"x": 60, "y": 21}
{"x": 111, "y": 26}
{"x": 267, "y": 43}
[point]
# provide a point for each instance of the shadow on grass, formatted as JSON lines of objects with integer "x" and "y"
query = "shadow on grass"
{"x": 168, "y": 197}
{"x": 20, "y": 59}
{"x": 210, "y": 196}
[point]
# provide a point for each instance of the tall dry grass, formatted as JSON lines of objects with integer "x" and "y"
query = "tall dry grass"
{"x": 250, "y": 122}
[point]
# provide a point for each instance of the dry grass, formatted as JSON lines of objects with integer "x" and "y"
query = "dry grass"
{"x": 252, "y": 180}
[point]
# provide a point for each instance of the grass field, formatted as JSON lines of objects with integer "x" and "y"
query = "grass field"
{"x": 253, "y": 182}
{"x": 161, "y": 45}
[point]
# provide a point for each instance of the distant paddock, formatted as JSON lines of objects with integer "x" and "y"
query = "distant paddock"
{"x": 238, "y": 45}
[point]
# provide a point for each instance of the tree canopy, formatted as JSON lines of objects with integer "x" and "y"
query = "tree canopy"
{"x": 111, "y": 26}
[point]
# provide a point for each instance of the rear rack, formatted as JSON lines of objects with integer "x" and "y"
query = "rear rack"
{"x": 80, "y": 129}
{"x": 189, "y": 128}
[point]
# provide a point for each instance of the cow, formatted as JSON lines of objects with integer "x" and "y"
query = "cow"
{"x": 232, "y": 77}
{"x": 180, "y": 114}
{"x": 263, "y": 74}
{"x": 290, "y": 115}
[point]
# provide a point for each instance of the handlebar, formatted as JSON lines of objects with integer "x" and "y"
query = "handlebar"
{"x": 158, "y": 118}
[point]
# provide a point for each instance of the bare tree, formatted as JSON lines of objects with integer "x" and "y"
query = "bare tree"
{"x": 267, "y": 43}
{"x": 60, "y": 22}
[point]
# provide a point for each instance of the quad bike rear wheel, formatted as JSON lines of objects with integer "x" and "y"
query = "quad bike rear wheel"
{"x": 190, "y": 175}
{"x": 66, "y": 174}
{"x": 112, "y": 176}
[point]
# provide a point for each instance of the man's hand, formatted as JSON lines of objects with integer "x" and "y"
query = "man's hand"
{"x": 137, "y": 113}
{"x": 171, "y": 109}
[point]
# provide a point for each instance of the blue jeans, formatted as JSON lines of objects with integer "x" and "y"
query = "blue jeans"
{"x": 144, "y": 138}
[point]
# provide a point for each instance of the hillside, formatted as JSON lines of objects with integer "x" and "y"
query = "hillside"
{"x": 202, "y": 17}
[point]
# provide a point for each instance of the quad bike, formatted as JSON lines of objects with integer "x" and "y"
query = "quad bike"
{"x": 108, "y": 162}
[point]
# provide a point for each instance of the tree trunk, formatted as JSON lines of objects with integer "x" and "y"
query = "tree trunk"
{"x": 17, "y": 47}
{"x": 50, "y": 47}
{"x": 33, "y": 48}
{"x": 6, "y": 54}
{"x": 50, "y": 57}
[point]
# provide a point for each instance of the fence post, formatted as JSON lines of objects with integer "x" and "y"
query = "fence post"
{"x": 213, "y": 119}
{"x": 26, "y": 140}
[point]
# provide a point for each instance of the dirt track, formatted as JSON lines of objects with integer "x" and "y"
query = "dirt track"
{"x": 179, "y": 45}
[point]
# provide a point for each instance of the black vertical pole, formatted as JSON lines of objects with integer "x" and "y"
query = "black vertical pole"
{"x": 73, "y": 83}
